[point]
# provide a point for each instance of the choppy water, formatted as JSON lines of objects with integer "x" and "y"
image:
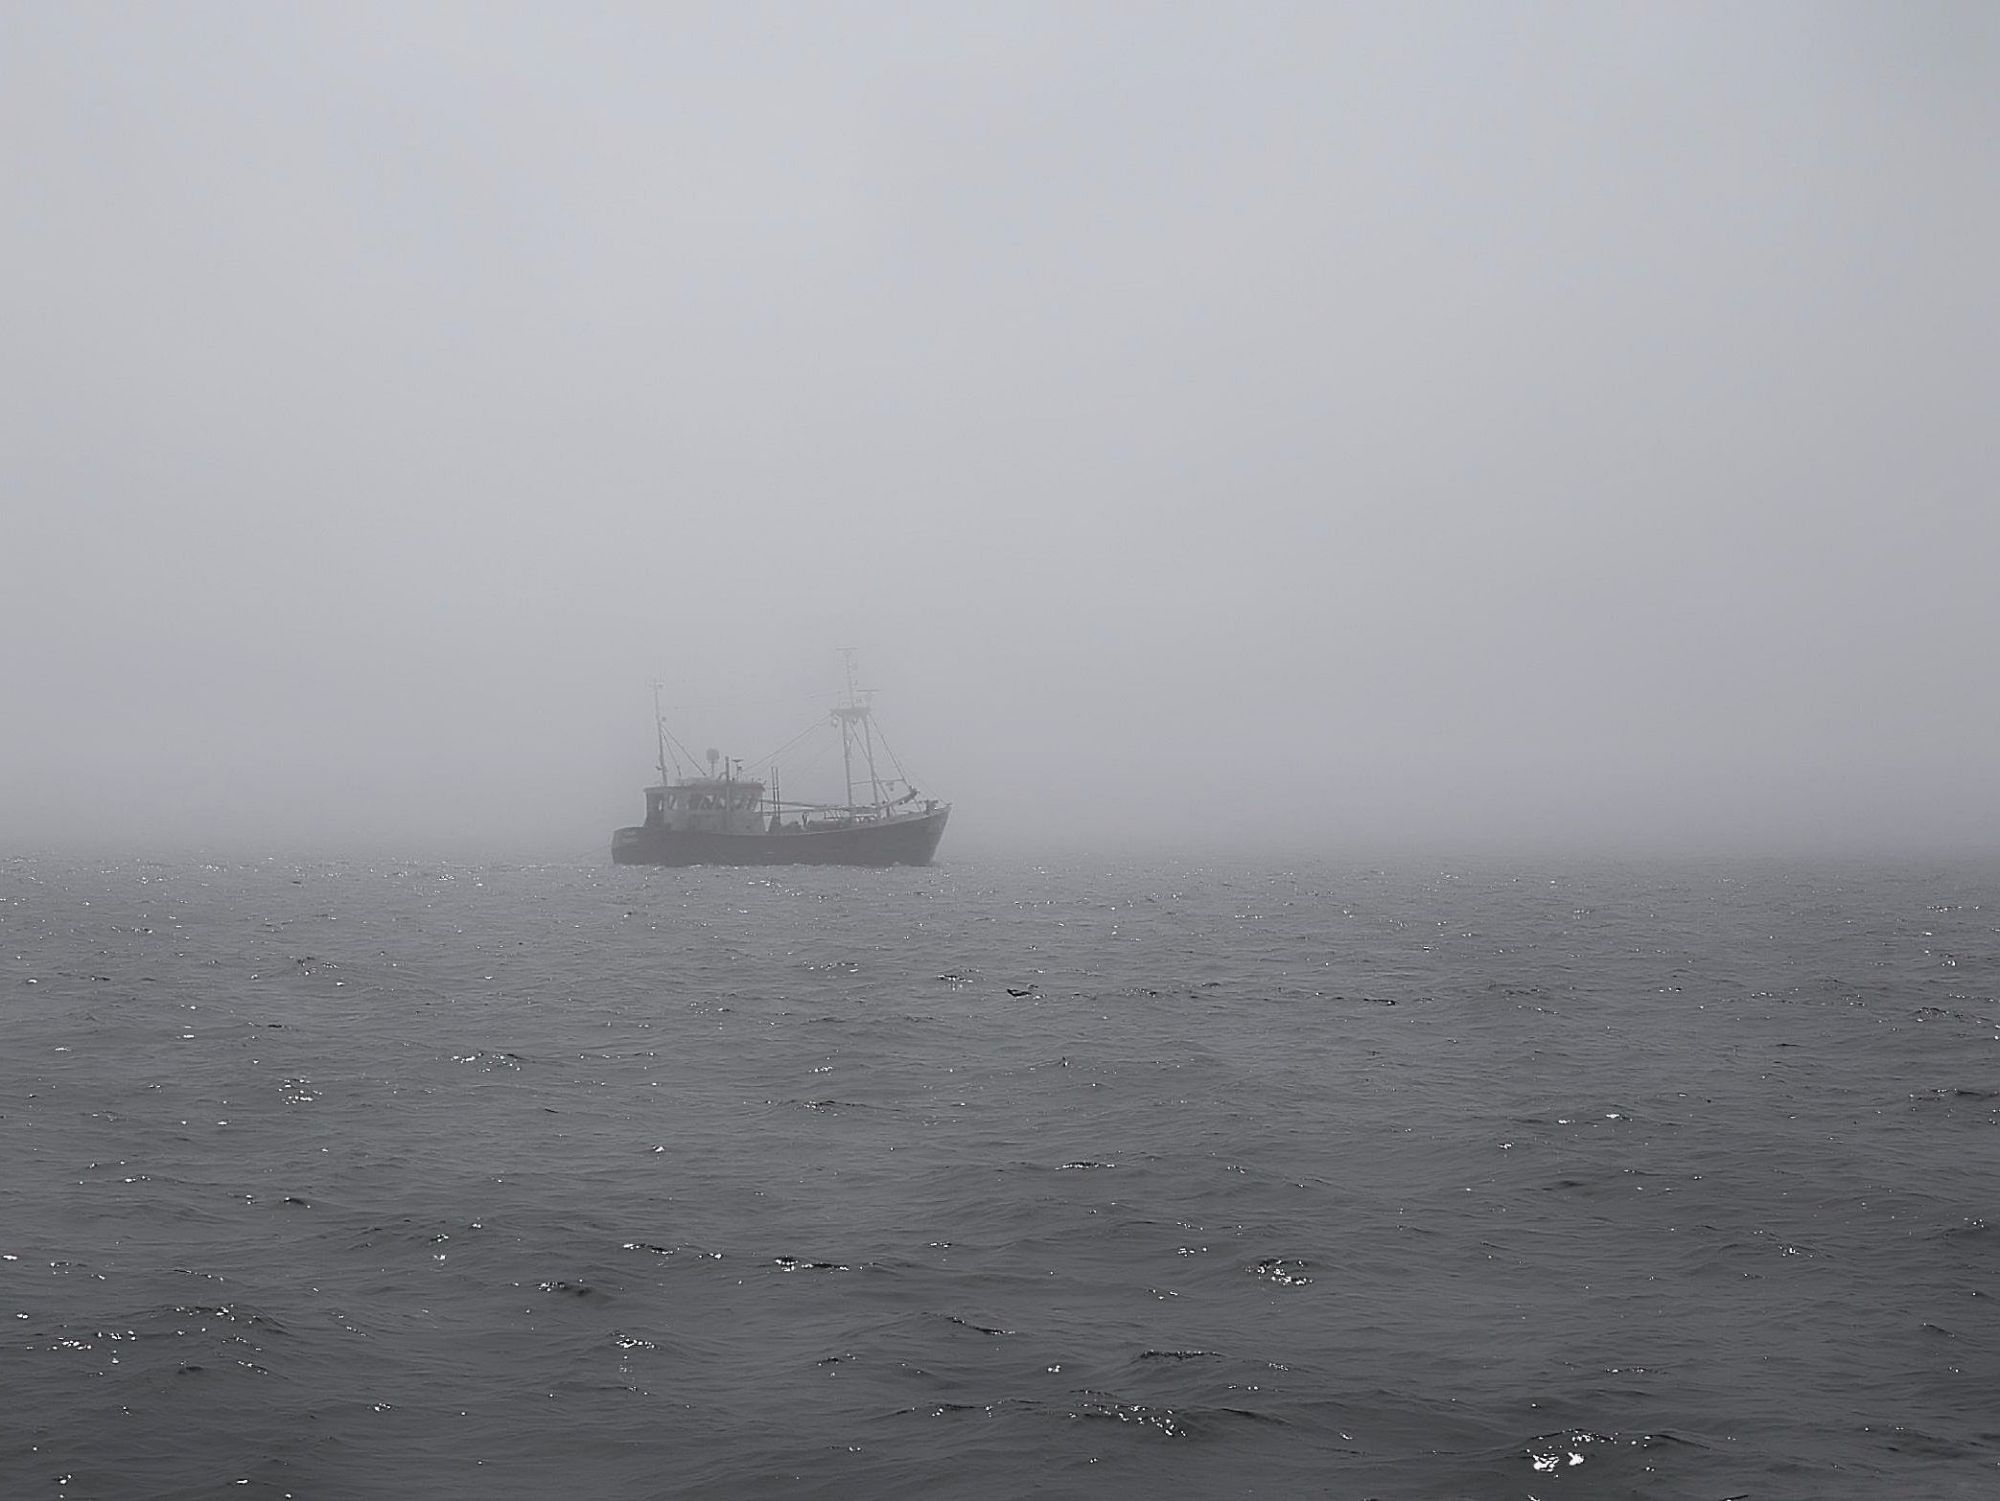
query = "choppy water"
{"x": 988, "y": 1181}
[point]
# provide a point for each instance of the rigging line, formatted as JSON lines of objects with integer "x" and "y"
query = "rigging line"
{"x": 772, "y": 759}
{"x": 660, "y": 734}
{"x": 819, "y": 753}
{"x": 893, "y": 758}
{"x": 666, "y": 744}
{"x": 795, "y": 769}
{"x": 713, "y": 702}
{"x": 817, "y": 756}
{"x": 674, "y": 740}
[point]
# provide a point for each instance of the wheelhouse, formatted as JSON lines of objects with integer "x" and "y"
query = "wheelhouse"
{"x": 720, "y": 804}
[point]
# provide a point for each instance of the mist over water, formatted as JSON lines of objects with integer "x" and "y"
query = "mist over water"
{"x": 1311, "y": 424}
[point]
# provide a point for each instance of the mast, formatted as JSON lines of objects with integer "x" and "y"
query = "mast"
{"x": 846, "y": 714}
{"x": 847, "y": 754}
{"x": 856, "y": 720}
{"x": 868, "y": 742}
{"x": 660, "y": 733}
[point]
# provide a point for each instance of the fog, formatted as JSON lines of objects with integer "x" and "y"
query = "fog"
{"x": 1273, "y": 426}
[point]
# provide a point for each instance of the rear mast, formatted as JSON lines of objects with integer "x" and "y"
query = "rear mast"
{"x": 845, "y": 716}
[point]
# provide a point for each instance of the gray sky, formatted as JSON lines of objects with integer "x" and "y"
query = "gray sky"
{"x": 1307, "y": 425}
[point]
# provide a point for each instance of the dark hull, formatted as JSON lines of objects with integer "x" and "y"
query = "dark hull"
{"x": 910, "y": 840}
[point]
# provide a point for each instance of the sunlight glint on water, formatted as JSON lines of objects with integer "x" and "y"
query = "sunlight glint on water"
{"x": 1652, "y": 1181}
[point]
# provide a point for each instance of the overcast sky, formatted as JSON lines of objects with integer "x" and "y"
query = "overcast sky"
{"x": 1308, "y": 425}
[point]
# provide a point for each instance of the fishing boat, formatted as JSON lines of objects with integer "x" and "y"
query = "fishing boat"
{"x": 725, "y": 818}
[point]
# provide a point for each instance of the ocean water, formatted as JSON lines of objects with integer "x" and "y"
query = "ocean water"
{"x": 991, "y": 1180}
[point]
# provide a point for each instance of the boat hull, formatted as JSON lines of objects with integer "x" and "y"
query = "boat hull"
{"x": 909, "y": 840}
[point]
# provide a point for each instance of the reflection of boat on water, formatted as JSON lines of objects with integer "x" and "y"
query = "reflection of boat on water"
{"x": 724, "y": 818}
